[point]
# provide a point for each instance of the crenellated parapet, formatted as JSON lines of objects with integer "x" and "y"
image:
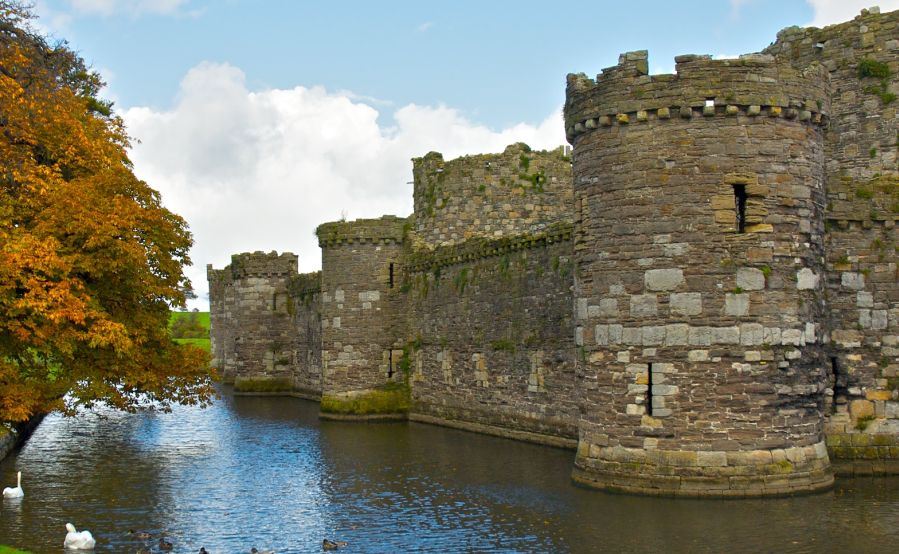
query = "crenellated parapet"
{"x": 754, "y": 85}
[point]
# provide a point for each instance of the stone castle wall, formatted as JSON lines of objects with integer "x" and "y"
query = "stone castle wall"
{"x": 862, "y": 206}
{"x": 708, "y": 306}
{"x": 493, "y": 349}
{"x": 519, "y": 191}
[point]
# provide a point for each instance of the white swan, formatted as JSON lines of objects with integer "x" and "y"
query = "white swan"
{"x": 17, "y": 492}
{"x": 78, "y": 541}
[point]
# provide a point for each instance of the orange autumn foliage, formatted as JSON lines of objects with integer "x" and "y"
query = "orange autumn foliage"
{"x": 90, "y": 261}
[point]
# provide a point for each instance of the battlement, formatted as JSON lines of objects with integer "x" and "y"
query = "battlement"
{"x": 304, "y": 284}
{"x": 261, "y": 264}
{"x": 490, "y": 195}
{"x": 753, "y": 85}
{"x": 386, "y": 229}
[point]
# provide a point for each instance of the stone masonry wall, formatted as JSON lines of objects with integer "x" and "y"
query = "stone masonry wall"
{"x": 862, "y": 58}
{"x": 492, "y": 348}
{"x": 260, "y": 335}
{"x": 360, "y": 304}
{"x": 701, "y": 372}
{"x": 489, "y": 195}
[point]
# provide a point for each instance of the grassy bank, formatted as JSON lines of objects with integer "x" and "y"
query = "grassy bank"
{"x": 190, "y": 328}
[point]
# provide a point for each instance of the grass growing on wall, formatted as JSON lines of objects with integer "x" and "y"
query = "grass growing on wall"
{"x": 263, "y": 385}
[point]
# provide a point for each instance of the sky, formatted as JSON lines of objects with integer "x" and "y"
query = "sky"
{"x": 257, "y": 120}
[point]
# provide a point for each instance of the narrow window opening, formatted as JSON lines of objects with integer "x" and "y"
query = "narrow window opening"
{"x": 390, "y": 361}
{"x": 710, "y": 102}
{"x": 840, "y": 383}
{"x": 740, "y": 206}
{"x": 649, "y": 390}
{"x": 391, "y": 274}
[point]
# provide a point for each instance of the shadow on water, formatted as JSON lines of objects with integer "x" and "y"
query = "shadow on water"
{"x": 265, "y": 472}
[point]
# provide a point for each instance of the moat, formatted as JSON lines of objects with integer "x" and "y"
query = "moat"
{"x": 266, "y": 472}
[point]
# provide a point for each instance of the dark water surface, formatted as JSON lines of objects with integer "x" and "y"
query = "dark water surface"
{"x": 265, "y": 472}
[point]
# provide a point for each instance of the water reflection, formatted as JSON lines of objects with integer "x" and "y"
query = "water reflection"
{"x": 265, "y": 472}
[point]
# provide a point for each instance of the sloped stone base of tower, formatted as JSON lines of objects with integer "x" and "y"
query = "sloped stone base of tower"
{"x": 799, "y": 470}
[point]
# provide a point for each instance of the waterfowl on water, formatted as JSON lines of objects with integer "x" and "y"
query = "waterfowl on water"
{"x": 164, "y": 545}
{"x": 254, "y": 551}
{"x": 142, "y": 535}
{"x": 332, "y": 545}
{"x": 203, "y": 550}
{"x": 15, "y": 492}
{"x": 78, "y": 541}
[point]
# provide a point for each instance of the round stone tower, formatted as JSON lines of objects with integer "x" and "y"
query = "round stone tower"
{"x": 699, "y": 203}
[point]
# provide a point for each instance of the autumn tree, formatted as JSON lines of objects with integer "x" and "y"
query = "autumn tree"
{"x": 90, "y": 260}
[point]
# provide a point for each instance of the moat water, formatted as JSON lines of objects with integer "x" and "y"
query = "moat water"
{"x": 267, "y": 473}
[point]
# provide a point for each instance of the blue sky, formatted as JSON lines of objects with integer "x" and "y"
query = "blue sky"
{"x": 259, "y": 120}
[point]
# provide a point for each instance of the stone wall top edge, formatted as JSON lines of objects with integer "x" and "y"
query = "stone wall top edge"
{"x": 515, "y": 148}
{"x": 480, "y": 248}
{"x": 388, "y": 228}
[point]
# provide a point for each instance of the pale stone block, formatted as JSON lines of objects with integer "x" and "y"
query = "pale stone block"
{"x": 336, "y": 323}
{"x": 632, "y": 336}
{"x": 864, "y": 319}
{"x": 644, "y": 305}
{"x": 663, "y": 279}
{"x": 854, "y": 281}
{"x": 624, "y": 356}
{"x": 658, "y": 401}
{"x": 676, "y": 334}
{"x": 649, "y": 352}
{"x": 700, "y": 336}
{"x": 338, "y": 295}
{"x": 637, "y": 368}
{"x": 601, "y": 335}
{"x": 676, "y": 249}
{"x": 663, "y": 390}
{"x": 806, "y": 279}
{"x": 663, "y": 367}
{"x": 582, "y": 308}
{"x": 637, "y": 389}
{"x": 771, "y": 336}
{"x": 791, "y": 336}
{"x": 579, "y": 335}
{"x": 864, "y": 299}
{"x": 751, "y": 334}
{"x": 653, "y": 335}
{"x": 750, "y": 278}
{"x": 879, "y": 320}
{"x": 792, "y": 354}
{"x": 616, "y": 333}
{"x": 752, "y": 356}
{"x": 725, "y": 335}
{"x": 634, "y": 409}
{"x": 608, "y": 307}
{"x": 661, "y": 412}
{"x": 616, "y": 290}
{"x": 811, "y": 333}
{"x": 698, "y": 355}
{"x": 711, "y": 459}
{"x": 686, "y": 303}
{"x": 736, "y": 304}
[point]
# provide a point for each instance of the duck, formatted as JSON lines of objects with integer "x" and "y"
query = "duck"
{"x": 254, "y": 551}
{"x": 78, "y": 541}
{"x": 142, "y": 535}
{"x": 15, "y": 492}
{"x": 332, "y": 545}
{"x": 203, "y": 550}
{"x": 164, "y": 545}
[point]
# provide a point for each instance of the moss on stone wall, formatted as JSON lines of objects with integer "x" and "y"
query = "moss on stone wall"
{"x": 392, "y": 398}
{"x": 263, "y": 385}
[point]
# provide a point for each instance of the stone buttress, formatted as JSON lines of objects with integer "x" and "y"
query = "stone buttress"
{"x": 699, "y": 283}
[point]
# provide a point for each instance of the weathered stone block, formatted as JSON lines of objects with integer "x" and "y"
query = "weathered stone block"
{"x": 806, "y": 279}
{"x": 854, "y": 281}
{"x": 750, "y": 278}
{"x": 725, "y": 335}
{"x": 644, "y": 305}
{"x": 686, "y": 303}
{"x": 676, "y": 334}
{"x": 663, "y": 279}
{"x": 736, "y": 305}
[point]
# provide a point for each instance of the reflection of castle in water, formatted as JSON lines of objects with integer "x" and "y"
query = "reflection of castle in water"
{"x": 708, "y": 305}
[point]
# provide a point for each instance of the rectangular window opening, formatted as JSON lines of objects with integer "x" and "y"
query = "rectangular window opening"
{"x": 390, "y": 361}
{"x": 649, "y": 391}
{"x": 740, "y": 206}
{"x": 391, "y": 274}
{"x": 710, "y": 102}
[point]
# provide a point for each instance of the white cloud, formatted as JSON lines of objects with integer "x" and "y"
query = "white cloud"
{"x": 828, "y": 12}
{"x": 260, "y": 170}
{"x": 425, "y": 26}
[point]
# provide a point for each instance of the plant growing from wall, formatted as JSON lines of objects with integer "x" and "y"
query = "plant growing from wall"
{"x": 873, "y": 69}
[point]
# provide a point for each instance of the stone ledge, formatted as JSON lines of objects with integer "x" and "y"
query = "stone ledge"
{"x": 496, "y": 431}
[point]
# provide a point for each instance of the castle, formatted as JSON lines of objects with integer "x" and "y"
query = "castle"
{"x": 701, "y": 298}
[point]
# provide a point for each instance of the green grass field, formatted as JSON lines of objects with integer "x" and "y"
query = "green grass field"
{"x": 202, "y": 318}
